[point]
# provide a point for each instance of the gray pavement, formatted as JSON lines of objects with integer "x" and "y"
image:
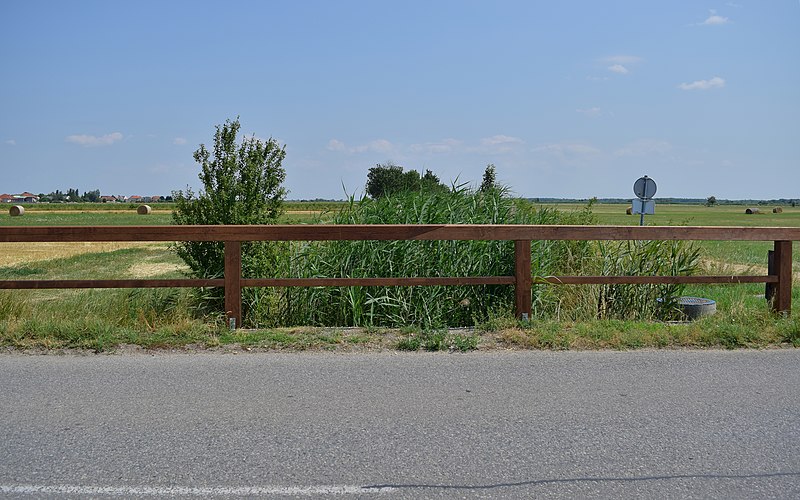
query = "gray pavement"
{"x": 645, "y": 424}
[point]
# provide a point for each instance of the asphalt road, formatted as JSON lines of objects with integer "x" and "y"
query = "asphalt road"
{"x": 646, "y": 424}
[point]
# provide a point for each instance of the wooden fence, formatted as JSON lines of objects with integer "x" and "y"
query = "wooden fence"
{"x": 779, "y": 278}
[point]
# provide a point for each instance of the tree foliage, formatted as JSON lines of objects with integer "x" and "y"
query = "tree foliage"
{"x": 390, "y": 179}
{"x": 489, "y": 179}
{"x": 242, "y": 184}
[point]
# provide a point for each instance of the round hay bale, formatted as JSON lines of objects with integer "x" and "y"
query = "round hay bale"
{"x": 750, "y": 211}
{"x": 144, "y": 210}
{"x": 629, "y": 211}
{"x": 16, "y": 211}
{"x": 777, "y": 210}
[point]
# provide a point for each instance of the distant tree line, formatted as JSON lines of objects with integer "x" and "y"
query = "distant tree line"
{"x": 72, "y": 195}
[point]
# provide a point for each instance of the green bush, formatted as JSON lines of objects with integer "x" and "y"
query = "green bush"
{"x": 242, "y": 185}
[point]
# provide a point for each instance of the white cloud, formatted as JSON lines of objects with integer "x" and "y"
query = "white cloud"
{"x": 179, "y": 141}
{"x": 376, "y": 146}
{"x": 93, "y": 140}
{"x": 591, "y": 112}
{"x": 498, "y": 144}
{"x": 714, "y": 83}
{"x": 620, "y": 64}
{"x": 715, "y": 20}
{"x": 567, "y": 149}
{"x": 497, "y": 140}
{"x": 11, "y": 142}
{"x": 443, "y": 146}
{"x": 644, "y": 147}
{"x": 335, "y": 145}
{"x": 622, "y": 59}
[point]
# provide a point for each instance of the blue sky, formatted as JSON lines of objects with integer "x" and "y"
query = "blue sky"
{"x": 567, "y": 98}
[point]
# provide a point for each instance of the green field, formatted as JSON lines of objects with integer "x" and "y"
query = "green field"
{"x": 102, "y": 319}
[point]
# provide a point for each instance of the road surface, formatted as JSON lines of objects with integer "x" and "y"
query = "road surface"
{"x": 646, "y": 424}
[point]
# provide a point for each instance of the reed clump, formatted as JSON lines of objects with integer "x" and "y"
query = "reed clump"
{"x": 429, "y": 306}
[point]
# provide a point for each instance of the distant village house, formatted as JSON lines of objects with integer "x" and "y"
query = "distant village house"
{"x": 25, "y": 197}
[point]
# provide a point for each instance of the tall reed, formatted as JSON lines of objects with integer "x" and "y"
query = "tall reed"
{"x": 429, "y": 306}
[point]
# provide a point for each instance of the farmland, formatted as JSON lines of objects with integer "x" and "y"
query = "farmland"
{"x": 102, "y": 319}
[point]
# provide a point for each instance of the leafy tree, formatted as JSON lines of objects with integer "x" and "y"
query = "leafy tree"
{"x": 711, "y": 201}
{"x": 383, "y": 180}
{"x": 388, "y": 179}
{"x": 242, "y": 184}
{"x": 91, "y": 196}
{"x": 430, "y": 183}
{"x": 489, "y": 179}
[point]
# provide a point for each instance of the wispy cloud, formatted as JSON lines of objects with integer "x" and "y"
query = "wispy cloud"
{"x": 620, "y": 64}
{"x": 439, "y": 147}
{"x": 714, "y": 19}
{"x": 644, "y": 147}
{"x": 179, "y": 141}
{"x": 93, "y": 140}
{"x": 591, "y": 112}
{"x": 497, "y": 140}
{"x": 10, "y": 142}
{"x": 376, "y": 146}
{"x": 499, "y": 144}
{"x": 713, "y": 83}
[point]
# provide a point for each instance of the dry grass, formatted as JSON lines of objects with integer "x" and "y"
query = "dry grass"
{"x": 22, "y": 253}
{"x": 149, "y": 269}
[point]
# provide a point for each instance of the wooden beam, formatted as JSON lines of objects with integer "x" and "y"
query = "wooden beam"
{"x": 651, "y": 280}
{"x": 522, "y": 278}
{"x": 233, "y": 285}
{"x": 325, "y": 232}
{"x": 782, "y": 300}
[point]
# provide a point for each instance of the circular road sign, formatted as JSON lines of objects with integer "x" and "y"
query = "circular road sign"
{"x": 644, "y": 188}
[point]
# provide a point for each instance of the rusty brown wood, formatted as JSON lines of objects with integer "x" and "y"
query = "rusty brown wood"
{"x": 233, "y": 283}
{"x": 651, "y": 280}
{"x": 782, "y": 300}
{"x": 522, "y": 279}
{"x": 324, "y": 232}
{"x": 445, "y": 281}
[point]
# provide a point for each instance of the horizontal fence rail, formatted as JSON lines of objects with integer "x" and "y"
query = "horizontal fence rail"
{"x": 778, "y": 280}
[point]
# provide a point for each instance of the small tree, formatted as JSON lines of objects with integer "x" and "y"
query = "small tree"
{"x": 489, "y": 179}
{"x": 711, "y": 201}
{"x": 242, "y": 184}
{"x": 383, "y": 180}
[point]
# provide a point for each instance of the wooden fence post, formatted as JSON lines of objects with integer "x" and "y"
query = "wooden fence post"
{"x": 233, "y": 283}
{"x": 523, "y": 280}
{"x": 782, "y": 265}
